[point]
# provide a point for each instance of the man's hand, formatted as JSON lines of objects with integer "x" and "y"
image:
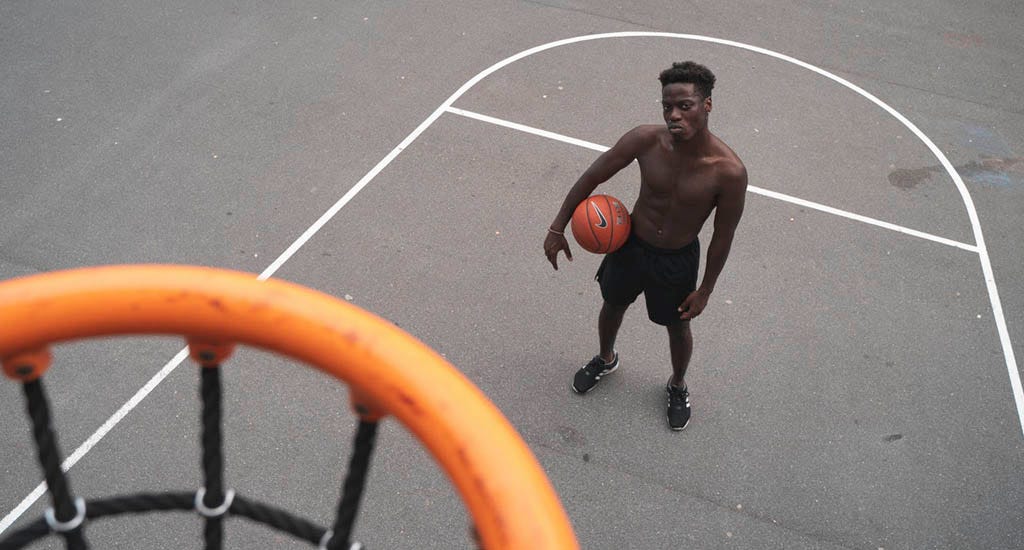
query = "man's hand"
{"x": 694, "y": 304}
{"x": 553, "y": 243}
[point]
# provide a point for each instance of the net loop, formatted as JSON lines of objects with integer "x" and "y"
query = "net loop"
{"x": 58, "y": 526}
{"x": 216, "y": 511}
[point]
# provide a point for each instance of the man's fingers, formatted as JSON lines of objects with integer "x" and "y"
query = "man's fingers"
{"x": 553, "y": 258}
{"x": 689, "y": 310}
{"x": 552, "y": 255}
{"x": 686, "y": 309}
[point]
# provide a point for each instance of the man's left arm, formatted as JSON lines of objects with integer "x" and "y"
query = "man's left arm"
{"x": 727, "y": 218}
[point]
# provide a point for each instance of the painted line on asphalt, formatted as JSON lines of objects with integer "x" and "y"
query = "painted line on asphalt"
{"x": 1009, "y": 357}
{"x": 751, "y": 188}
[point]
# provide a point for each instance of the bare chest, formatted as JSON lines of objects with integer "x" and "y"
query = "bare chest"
{"x": 679, "y": 183}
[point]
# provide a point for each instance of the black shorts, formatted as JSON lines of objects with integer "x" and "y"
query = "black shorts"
{"x": 665, "y": 276}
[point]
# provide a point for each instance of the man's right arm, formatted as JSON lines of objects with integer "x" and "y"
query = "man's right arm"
{"x": 601, "y": 170}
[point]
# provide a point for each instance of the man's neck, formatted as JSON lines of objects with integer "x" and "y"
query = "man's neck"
{"x": 695, "y": 146}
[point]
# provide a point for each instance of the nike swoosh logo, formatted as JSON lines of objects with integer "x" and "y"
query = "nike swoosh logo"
{"x": 603, "y": 222}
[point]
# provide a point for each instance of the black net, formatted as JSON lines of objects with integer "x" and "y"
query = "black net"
{"x": 68, "y": 516}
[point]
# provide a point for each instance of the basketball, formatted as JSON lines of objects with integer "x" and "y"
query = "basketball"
{"x": 600, "y": 224}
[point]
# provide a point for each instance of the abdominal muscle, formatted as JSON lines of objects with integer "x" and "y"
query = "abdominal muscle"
{"x": 668, "y": 222}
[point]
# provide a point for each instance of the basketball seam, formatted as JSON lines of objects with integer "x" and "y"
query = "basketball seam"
{"x": 611, "y": 222}
{"x": 590, "y": 225}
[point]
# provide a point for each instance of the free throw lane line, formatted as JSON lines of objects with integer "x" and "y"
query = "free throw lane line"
{"x": 751, "y": 188}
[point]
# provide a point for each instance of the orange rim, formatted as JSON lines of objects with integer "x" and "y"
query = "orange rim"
{"x": 505, "y": 491}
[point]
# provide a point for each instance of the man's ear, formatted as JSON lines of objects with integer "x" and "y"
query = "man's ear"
{"x": 707, "y": 105}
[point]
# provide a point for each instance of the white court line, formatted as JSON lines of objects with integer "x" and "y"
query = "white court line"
{"x": 752, "y": 188}
{"x": 997, "y": 310}
{"x": 986, "y": 264}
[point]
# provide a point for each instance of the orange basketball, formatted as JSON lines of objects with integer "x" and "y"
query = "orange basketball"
{"x": 600, "y": 224}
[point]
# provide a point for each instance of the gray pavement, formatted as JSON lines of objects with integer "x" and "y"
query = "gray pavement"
{"x": 849, "y": 385}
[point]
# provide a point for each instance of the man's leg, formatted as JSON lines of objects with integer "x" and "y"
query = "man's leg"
{"x": 680, "y": 343}
{"x": 606, "y": 361}
{"x": 620, "y": 284}
{"x": 608, "y": 323}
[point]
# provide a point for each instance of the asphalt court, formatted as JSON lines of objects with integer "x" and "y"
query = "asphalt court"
{"x": 824, "y": 376}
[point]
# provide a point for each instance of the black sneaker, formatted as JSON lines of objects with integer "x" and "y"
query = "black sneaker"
{"x": 678, "y": 407}
{"x": 587, "y": 377}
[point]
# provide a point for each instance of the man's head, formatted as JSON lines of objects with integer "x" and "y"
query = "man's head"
{"x": 688, "y": 72}
{"x": 686, "y": 98}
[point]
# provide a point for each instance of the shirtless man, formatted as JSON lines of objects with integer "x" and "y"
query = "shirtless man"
{"x": 685, "y": 173}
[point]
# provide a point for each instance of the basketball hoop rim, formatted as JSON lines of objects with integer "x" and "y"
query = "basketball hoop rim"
{"x": 505, "y": 491}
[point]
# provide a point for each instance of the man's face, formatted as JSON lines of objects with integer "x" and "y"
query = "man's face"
{"x": 685, "y": 111}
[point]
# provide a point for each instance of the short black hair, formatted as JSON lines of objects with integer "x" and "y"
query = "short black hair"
{"x": 689, "y": 72}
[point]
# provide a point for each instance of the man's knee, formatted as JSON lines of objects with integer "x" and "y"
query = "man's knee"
{"x": 680, "y": 329}
{"x": 614, "y": 309}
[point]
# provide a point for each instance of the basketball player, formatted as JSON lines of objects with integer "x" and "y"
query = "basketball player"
{"x": 685, "y": 173}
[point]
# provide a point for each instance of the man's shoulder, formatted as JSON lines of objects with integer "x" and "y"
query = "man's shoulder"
{"x": 728, "y": 163}
{"x": 637, "y": 140}
{"x": 731, "y": 166}
{"x": 645, "y": 132}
